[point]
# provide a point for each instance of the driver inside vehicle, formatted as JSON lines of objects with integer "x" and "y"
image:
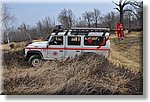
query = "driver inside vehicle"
{"x": 56, "y": 41}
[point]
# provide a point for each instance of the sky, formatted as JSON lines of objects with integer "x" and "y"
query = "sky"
{"x": 31, "y": 12}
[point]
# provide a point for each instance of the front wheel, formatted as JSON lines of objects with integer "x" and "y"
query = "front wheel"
{"x": 35, "y": 61}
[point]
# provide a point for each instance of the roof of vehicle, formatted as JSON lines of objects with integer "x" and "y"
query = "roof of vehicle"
{"x": 82, "y": 31}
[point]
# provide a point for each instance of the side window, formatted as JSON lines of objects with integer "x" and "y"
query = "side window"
{"x": 56, "y": 40}
{"x": 74, "y": 40}
{"x": 94, "y": 40}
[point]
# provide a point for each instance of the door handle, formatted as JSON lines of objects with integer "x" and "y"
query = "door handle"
{"x": 60, "y": 50}
{"x": 77, "y": 51}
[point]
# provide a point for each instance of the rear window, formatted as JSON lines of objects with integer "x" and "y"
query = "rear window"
{"x": 74, "y": 40}
{"x": 94, "y": 41}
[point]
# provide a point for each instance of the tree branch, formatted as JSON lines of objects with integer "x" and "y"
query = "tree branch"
{"x": 128, "y": 10}
{"x": 120, "y": 2}
{"x": 117, "y": 9}
{"x": 126, "y": 3}
{"x": 138, "y": 4}
{"x": 115, "y": 3}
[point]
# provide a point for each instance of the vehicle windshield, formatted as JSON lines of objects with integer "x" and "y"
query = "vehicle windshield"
{"x": 52, "y": 39}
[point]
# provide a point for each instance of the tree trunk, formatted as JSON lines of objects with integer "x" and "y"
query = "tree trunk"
{"x": 89, "y": 24}
{"x": 121, "y": 17}
{"x": 8, "y": 40}
{"x": 7, "y": 36}
{"x": 96, "y": 24}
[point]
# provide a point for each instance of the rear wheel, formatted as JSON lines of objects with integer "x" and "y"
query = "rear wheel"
{"x": 35, "y": 61}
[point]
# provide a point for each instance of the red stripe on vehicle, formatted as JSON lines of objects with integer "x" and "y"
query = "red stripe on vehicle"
{"x": 68, "y": 48}
{"x": 103, "y": 43}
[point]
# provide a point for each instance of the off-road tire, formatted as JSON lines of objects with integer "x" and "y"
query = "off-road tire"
{"x": 35, "y": 61}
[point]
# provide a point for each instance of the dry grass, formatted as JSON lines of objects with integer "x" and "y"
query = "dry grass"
{"x": 129, "y": 52}
{"x": 84, "y": 75}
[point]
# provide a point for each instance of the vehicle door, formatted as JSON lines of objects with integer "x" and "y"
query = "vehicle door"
{"x": 73, "y": 46}
{"x": 56, "y": 48}
{"x": 95, "y": 44}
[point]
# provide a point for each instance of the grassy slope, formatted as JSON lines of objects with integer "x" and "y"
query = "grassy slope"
{"x": 128, "y": 52}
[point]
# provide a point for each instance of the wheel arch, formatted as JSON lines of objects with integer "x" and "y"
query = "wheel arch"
{"x": 33, "y": 52}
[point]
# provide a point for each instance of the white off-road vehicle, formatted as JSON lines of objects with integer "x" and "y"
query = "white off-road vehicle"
{"x": 69, "y": 43}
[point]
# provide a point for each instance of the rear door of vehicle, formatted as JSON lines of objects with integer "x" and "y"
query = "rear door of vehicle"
{"x": 95, "y": 44}
{"x": 73, "y": 46}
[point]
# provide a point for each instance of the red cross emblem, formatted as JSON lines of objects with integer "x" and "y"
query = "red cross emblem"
{"x": 90, "y": 41}
{"x": 55, "y": 53}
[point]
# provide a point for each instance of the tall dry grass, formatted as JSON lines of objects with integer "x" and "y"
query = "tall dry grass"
{"x": 87, "y": 74}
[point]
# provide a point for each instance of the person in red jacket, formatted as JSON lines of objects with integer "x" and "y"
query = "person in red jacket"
{"x": 119, "y": 30}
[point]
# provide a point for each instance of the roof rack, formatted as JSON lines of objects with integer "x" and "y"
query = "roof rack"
{"x": 79, "y": 30}
{"x": 91, "y": 29}
{"x": 85, "y": 31}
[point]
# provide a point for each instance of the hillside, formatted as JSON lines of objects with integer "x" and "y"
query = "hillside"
{"x": 86, "y": 74}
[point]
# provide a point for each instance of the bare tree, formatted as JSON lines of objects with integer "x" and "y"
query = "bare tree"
{"x": 47, "y": 25}
{"x": 109, "y": 20}
{"x": 96, "y": 16}
{"x": 121, "y": 8}
{"x": 80, "y": 22}
{"x": 44, "y": 26}
{"x": 24, "y": 29}
{"x": 70, "y": 18}
{"x": 138, "y": 11}
{"x": 88, "y": 17}
{"x": 128, "y": 20}
{"x": 39, "y": 27}
{"x": 8, "y": 21}
{"x": 65, "y": 17}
